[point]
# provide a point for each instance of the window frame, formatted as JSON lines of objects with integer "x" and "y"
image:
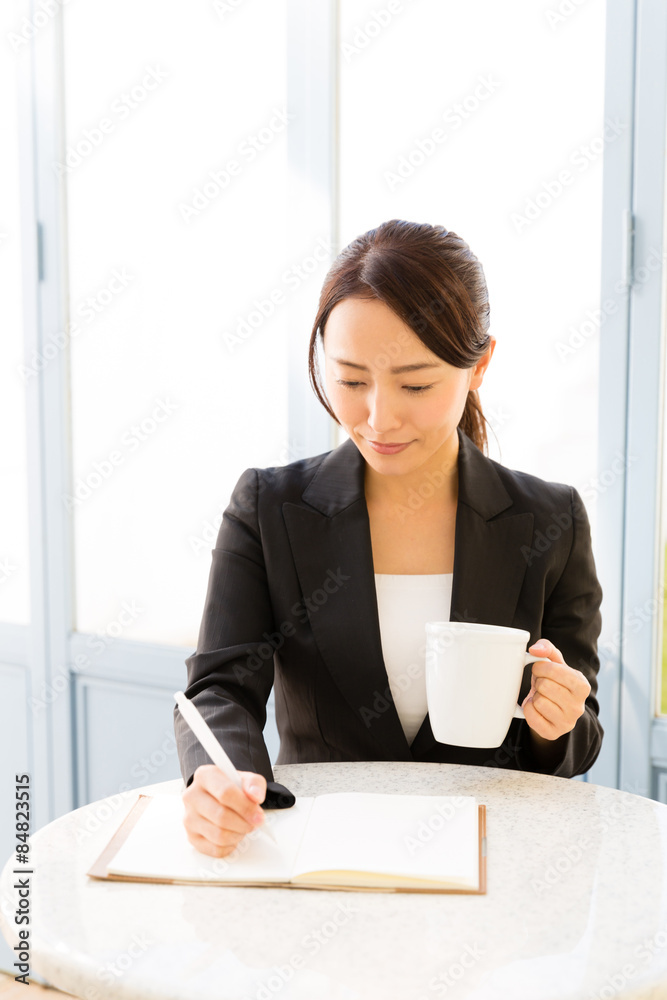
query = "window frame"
{"x": 634, "y": 750}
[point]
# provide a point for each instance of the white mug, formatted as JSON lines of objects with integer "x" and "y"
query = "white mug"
{"x": 473, "y": 679}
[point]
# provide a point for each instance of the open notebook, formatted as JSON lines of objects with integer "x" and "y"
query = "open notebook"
{"x": 342, "y": 840}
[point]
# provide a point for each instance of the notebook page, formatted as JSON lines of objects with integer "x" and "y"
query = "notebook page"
{"x": 158, "y": 847}
{"x": 419, "y": 836}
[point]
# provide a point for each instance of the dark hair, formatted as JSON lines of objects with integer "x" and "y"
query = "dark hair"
{"x": 431, "y": 279}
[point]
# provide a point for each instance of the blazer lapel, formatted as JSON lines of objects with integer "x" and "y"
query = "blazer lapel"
{"x": 331, "y": 543}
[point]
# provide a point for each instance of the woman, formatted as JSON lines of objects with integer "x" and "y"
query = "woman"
{"x": 326, "y": 570}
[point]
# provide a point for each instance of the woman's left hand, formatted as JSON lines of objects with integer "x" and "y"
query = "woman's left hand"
{"x": 557, "y": 693}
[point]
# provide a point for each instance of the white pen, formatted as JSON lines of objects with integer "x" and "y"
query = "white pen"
{"x": 208, "y": 740}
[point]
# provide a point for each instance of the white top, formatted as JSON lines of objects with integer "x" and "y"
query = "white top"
{"x": 405, "y": 603}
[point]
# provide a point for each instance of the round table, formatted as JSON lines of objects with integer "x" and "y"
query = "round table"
{"x": 575, "y": 909}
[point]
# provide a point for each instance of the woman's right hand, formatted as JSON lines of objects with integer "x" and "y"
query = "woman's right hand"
{"x": 218, "y": 813}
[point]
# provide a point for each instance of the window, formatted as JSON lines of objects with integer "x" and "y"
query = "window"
{"x": 484, "y": 133}
{"x": 175, "y": 173}
{"x": 15, "y": 369}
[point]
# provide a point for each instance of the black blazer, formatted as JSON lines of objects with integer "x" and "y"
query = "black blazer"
{"x": 291, "y": 600}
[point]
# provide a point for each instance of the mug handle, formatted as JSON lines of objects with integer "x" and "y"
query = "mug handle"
{"x": 518, "y": 711}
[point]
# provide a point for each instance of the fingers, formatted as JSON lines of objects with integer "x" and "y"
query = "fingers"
{"x": 550, "y": 688}
{"x": 562, "y": 687}
{"x": 548, "y": 709}
{"x": 552, "y": 666}
{"x": 563, "y": 675}
{"x": 557, "y": 693}
{"x": 219, "y": 841}
{"x": 218, "y": 814}
{"x": 254, "y": 784}
{"x": 553, "y": 709}
{"x": 223, "y": 790}
{"x": 539, "y": 722}
{"x": 544, "y": 647}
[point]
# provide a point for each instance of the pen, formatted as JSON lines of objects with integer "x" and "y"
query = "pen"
{"x": 208, "y": 740}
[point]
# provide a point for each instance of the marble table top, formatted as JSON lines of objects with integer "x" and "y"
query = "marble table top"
{"x": 576, "y": 906}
